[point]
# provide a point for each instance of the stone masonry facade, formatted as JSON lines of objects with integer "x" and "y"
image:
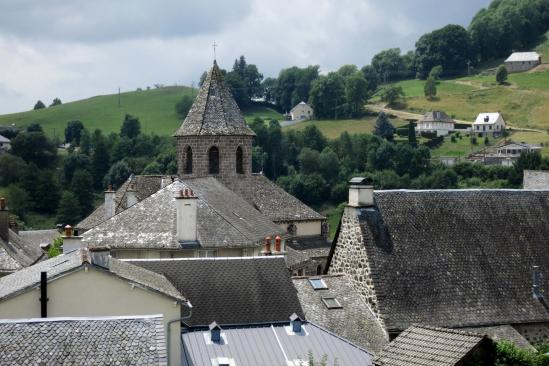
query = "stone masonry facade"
{"x": 350, "y": 258}
{"x": 227, "y": 146}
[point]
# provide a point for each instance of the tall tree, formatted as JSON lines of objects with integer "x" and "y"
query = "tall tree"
{"x": 34, "y": 147}
{"x": 372, "y": 78}
{"x": 356, "y": 93}
{"x": 82, "y": 187}
{"x": 73, "y": 132}
{"x": 100, "y": 158}
{"x": 56, "y": 101}
{"x": 69, "y": 211}
{"x": 328, "y": 96}
{"x": 383, "y": 127}
{"x": 430, "y": 88}
{"x": 130, "y": 127}
{"x": 39, "y": 105}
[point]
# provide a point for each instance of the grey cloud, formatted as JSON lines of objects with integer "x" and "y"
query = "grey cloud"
{"x": 113, "y": 20}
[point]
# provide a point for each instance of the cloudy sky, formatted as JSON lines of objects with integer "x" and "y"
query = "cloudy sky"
{"x": 79, "y": 48}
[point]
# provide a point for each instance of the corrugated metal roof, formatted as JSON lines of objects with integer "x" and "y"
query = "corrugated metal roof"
{"x": 272, "y": 345}
{"x": 523, "y": 56}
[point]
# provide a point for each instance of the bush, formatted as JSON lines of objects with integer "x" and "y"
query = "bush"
{"x": 501, "y": 74}
{"x": 474, "y": 140}
{"x": 434, "y": 142}
{"x": 428, "y": 134}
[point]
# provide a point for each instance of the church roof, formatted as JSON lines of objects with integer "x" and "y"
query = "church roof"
{"x": 455, "y": 258}
{"x": 214, "y": 111}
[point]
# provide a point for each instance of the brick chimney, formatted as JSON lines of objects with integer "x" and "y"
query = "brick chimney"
{"x": 4, "y": 221}
{"x": 187, "y": 215}
{"x": 278, "y": 245}
{"x": 109, "y": 202}
{"x": 131, "y": 196}
{"x": 361, "y": 192}
{"x": 71, "y": 240}
{"x": 267, "y": 246}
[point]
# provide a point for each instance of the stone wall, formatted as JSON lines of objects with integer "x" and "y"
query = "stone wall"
{"x": 534, "y": 333}
{"x": 227, "y": 146}
{"x": 350, "y": 258}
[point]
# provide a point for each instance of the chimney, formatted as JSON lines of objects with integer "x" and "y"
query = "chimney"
{"x": 295, "y": 323}
{"x": 4, "y": 221}
{"x": 187, "y": 215}
{"x": 215, "y": 333}
{"x": 131, "y": 196}
{"x": 267, "y": 246}
{"x": 361, "y": 192}
{"x": 536, "y": 291}
{"x": 278, "y": 244}
{"x": 109, "y": 202}
{"x": 71, "y": 241}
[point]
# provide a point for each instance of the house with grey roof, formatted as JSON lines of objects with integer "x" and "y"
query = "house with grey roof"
{"x": 214, "y": 155}
{"x": 16, "y": 251}
{"x": 447, "y": 257}
{"x": 301, "y": 112}
{"x": 117, "y": 340}
{"x": 522, "y": 61}
{"x": 4, "y": 144}
{"x": 422, "y": 345}
{"x": 508, "y": 153}
{"x": 332, "y": 303}
{"x": 90, "y": 283}
{"x": 231, "y": 291}
{"x": 289, "y": 343}
{"x": 435, "y": 121}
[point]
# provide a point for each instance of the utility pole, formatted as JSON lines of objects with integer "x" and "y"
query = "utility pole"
{"x": 118, "y": 97}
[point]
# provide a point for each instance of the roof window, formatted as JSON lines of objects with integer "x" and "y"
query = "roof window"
{"x": 331, "y": 303}
{"x": 223, "y": 361}
{"x": 318, "y": 283}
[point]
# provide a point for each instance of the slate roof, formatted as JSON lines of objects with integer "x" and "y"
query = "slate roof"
{"x": 422, "y": 345}
{"x": 271, "y": 200}
{"x": 4, "y": 139}
{"x": 214, "y": 111}
{"x": 536, "y": 179}
{"x": 18, "y": 253}
{"x": 449, "y": 257}
{"x": 29, "y": 277}
{"x": 240, "y": 290}
{"x": 353, "y": 321}
{"x": 137, "y": 340}
{"x": 436, "y": 116}
{"x": 523, "y": 56}
{"x": 224, "y": 220}
{"x": 272, "y": 345}
{"x": 39, "y": 237}
{"x": 502, "y": 333}
{"x": 144, "y": 185}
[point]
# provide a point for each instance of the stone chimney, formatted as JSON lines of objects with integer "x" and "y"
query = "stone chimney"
{"x": 361, "y": 192}
{"x": 187, "y": 215}
{"x": 131, "y": 196}
{"x": 71, "y": 240}
{"x": 110, "y": 207}
{"x": 4, "y": 221}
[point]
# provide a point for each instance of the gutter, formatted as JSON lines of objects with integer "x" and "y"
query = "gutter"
{"x": 187, "y": 317}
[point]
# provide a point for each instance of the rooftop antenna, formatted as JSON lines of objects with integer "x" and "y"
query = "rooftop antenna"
{"x": 214, "y": 45}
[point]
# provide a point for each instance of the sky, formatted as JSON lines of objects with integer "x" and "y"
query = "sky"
{"x": 79, "y": 48}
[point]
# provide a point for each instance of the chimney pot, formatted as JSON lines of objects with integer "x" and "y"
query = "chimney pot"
{"x": 361, "y": 192}
{"x": 267, "y": 246}
{"x": 71, "y": 240}
{"x": 187, "y": 215}
{"x": 278, "y": 243}
{"x": 68, "y": 231}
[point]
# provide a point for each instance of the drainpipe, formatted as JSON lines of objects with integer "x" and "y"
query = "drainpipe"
{"x": 187, "y": 317}
{"x": 44, "y": 294}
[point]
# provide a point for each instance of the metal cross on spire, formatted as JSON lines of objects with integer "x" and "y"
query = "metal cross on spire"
{"x": 214, "y": 45}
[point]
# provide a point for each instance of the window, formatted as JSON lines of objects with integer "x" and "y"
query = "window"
{"x": 331, "y": 303}
{"x": 239, "y": 161}
{"x": 206, "y": 253}
{"x": 318, "y": 283}
{"x": 292, "y": 229}
{"x": 188, "y": 169}
{"x": 213, "y": 159}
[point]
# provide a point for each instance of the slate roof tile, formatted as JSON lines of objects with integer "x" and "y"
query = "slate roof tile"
{"x": 18, "y": 253}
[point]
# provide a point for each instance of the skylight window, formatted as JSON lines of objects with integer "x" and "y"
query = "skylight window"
{"x": 331, "y": 303}
{"x": 318, "y": 283}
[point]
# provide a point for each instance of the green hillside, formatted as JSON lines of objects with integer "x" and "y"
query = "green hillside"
{"x": 155, "y": 109}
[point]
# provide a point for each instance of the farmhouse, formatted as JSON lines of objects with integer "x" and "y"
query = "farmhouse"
{"x": 301, "y": 111}
{"x": 489, "y": 124}
{"x": 436, "y": 121}
{"x": 4, "y": 144}
{"x": 444, "y": 257}
{"x": 522, "y": 61}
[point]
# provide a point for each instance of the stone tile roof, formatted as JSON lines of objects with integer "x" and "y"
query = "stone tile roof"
{"x": 231, "y": 290}
{"x": 224, "y": 220}
{"x": 422, "y": 345}
{"x": 29, "y": 277}
{"x": 536, "y": 179}
{"x": 39, "y": 237}
{"x": 271, "y": 200}
{"x": 436, "y": 116}
{"x": 18, "y": 253}
{"x": 353, "y": 321}
{"x": 137, "y": 340}
{"x": 272, "y": 344}
{"x": 449, "y": 257}
{"x": 523, "y": 56}
{"x": 502, "y": 333}
{"x": 214, "y": 111}
{"x": 144, "y": 185}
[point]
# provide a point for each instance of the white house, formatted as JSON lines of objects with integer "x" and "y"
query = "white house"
{"x": 435, "y": 121}
{"x": 4, "y": 143}
{"x": 522, "y": 61}
{"x": 489, "y": 124}
{"x": 515, "y": 149}
{"x": 302, "y": 111}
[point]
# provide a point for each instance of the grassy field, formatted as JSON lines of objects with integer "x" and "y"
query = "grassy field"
{"x": 461, "y": 148}
{"x": 414, "y": 88}
{"x": 262, "y": 112}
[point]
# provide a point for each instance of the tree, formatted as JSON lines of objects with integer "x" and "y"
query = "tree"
{"x": 68, "y": 211}
{"x": 328, "y": 96}
{"x": 100, "y": 158}
{"x": 501, "y": 74}
{"x": 73, "y": 132}
{"x": 43, "y": 189}
{"x": 347, "y": 70}
{"x": 118, "y": 173}
{"x": 34, "y": 147}
{"x": 237, "y": 86}
{"x": 183, "y": 106}
{"x": 294, "y": 85}
{"x": 56, "y": 101}
{"x": 412, "y": 140}
{"x": 12, "y": 167}
{"x": 130, "y": 127}
{"x": 392, "y": 95}
{"x": 328, "y": 164}
{"x": 35, "y": 127}
{"x": 372, "y": 78}
{"x": 356, "y": 93}
{"x": 383, "y": 127}
{"x": 389, "y": 65}
{"x": 39, "y": 105}
{"x": 82, "y": 187}
{"x": 430, "y": 88}
{"x": 308, "y": 160}
{"x": 18, "y": 200}
{"x": 268, "y": 86}
{"x": 436, "y": 72}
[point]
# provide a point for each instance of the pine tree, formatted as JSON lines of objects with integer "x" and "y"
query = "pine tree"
{"x": 412, "y": 140}
{"x": 383, "y": 127}
{"x": 501, "y": 74}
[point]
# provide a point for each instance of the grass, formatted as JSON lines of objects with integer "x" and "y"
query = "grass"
{"x": 262, "y": 112}
{"x": 461, "y": 148}
{"x": 414, "y": 88}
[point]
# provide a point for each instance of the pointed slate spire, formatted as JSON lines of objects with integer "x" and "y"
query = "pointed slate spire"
{"x": 214, "y": 111}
